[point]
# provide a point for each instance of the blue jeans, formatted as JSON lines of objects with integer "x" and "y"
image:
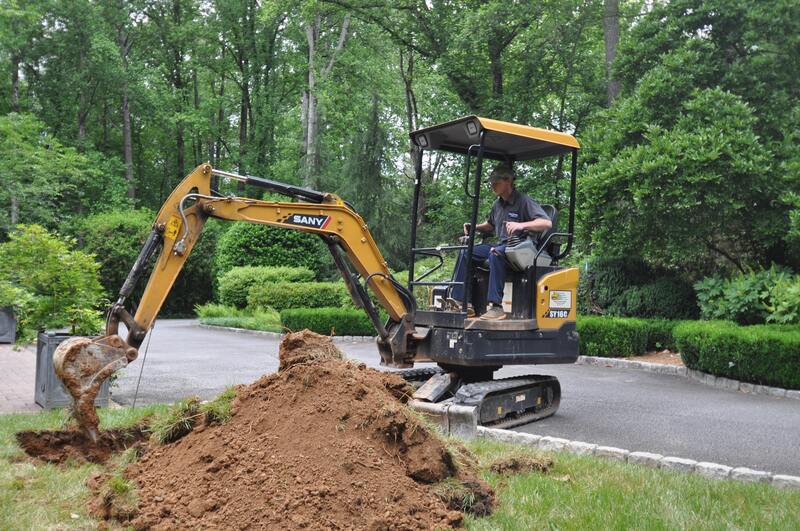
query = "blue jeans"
{"x": 497, "y": 270}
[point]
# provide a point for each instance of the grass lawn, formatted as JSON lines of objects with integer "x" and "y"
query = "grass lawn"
{"x": 267, "y": 320}
{"x": 578, "y": 493}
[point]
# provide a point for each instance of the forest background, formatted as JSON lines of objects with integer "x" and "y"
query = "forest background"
{"x": 687, "y": 112}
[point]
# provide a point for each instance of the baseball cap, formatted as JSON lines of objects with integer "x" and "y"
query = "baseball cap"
{"x": 500, "y": 172}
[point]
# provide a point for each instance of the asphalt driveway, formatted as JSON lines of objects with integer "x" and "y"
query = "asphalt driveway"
{"x": 631, "y": 409}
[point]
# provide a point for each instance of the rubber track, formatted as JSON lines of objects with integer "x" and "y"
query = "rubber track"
{"x": 473, "y": 395}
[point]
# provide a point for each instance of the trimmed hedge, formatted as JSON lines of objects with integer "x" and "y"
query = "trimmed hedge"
{"x": 284, "y": 295}
{"x": 766, "y": 355}
{"x": 260, "y": 245}
{"x": 236, "y": 283}
{"x": 612, "y": 336}
{"x": 328, "y": 321}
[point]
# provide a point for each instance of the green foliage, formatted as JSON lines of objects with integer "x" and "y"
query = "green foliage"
{"x": 623, "y": 336}
{"x": 265, "y": 319}
{"x": 248, "y": 244}
{"x": 684, "y": 189}
{"x": 766, "y": 355}
{"x": 53, "y": 286}
{"x": 43, "y": 180}
{"x": 629, "y": 287}
{"x": 784, "y": 305}
{"x": 235, "y": 284}
{"x": 752, "y": 298}
{"x": 281, "y": 296}
{"x": 667, "y": 297}
{"x": 612, "y": 336}
{"x": 328, "y": 321}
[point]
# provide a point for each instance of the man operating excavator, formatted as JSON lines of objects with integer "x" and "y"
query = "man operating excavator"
{"x": 513, "y": 214}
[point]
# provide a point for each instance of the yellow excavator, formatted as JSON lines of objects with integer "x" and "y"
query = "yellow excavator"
{"x": 540, "y": 295}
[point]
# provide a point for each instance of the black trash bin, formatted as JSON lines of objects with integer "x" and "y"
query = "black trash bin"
{"x": 8, "y": 326}
{"x": 50, "y": 392}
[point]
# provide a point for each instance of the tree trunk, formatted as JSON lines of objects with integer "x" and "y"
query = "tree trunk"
{"x": 611, "y": 35}
{"x": 127, "y": 142}
{"x": 14, "y": 210}
{"x": 15, "y": 60}
{"x": 310, "y": 105}
{"x": 82, "y": 106}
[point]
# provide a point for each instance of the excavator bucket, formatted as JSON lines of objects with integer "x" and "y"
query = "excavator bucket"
{"x": 83, "y": 364}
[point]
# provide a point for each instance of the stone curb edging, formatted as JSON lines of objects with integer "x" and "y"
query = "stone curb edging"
{"x": 652, "y": 460}
{"x": 718, "y": 382}
{"x": 278, "y": 335}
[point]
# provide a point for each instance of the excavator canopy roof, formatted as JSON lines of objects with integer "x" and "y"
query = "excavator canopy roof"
{"x": 505, "y": 141}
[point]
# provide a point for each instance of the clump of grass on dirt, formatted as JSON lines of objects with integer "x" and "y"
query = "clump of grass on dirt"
{"x": 454, "y": 494}
{"x": 118, "y": 495}
{"x": 218, "y": 411}
{"x": 176, "y": 422}
{"x": 181, "y": 418}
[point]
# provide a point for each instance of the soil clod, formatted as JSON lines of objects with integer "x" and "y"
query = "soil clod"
{"x": 521, "y": 465}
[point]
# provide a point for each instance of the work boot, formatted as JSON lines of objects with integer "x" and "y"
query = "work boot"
{"x": 495, "y": 313}
{"x": 456, "y": 307}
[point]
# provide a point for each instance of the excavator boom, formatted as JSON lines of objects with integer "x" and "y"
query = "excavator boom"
{"x": 83, "y": 364}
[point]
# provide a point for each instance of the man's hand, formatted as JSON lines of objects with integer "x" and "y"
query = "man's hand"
{"x": 514, "y": 226}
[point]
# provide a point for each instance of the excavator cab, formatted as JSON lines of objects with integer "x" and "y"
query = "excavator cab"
{"x": 540, "y": 294}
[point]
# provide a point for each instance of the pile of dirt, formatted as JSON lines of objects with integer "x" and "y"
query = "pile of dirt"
{"x": 60, "y": 446}
{"x": 323, "y": 444}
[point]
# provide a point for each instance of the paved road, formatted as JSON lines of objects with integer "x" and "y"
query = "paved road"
{"x": 615, "y": 407}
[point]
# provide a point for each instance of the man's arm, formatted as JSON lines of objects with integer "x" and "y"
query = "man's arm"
{"x": 482, "y": 227}
{"x": 536, "y": 225}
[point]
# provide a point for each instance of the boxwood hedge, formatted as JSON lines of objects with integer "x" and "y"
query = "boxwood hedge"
{"x": 235, "y": 284}
{"x": 285, "y": 295}
{"x": 766, "y": 355}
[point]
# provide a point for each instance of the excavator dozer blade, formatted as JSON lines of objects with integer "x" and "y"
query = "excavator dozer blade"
{"x": 83, "y": 364}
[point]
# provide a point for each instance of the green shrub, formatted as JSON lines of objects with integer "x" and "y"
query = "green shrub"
{"x": 665, "y": 297}
{"x": 659, "y": 334}
{"x": 612, "y": 336}
{"x": 250, "y": 244}
{"x": 749, "y": 298}
{"x": 766, "y": 355}
{"x": 784, "y": 304}
{"x": 48, "y": 283}
{"x": 329, "y": 321}
{"x": 284, "y": 295}
{"x": 236, "y": 283}
{"x": 266, "y": 319}
{"x": 625, "y": 287}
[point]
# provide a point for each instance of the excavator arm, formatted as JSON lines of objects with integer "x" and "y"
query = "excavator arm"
{"x": 83, "y": 364}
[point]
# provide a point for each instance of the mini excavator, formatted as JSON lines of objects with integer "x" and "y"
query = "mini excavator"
{"x": 539, "y": 296}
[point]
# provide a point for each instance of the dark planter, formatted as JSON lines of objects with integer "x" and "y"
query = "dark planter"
{"x": 50, "y": 392}
{"x": 8, "y": 326}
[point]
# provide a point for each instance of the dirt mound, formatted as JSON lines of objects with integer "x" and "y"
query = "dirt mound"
{"x": 322, "y": 445}
{"x": 60, "y": 446}
{"x": 304, "y": 347}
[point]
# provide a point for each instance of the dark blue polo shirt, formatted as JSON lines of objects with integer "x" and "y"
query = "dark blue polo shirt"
{"x": 519, "y": 208}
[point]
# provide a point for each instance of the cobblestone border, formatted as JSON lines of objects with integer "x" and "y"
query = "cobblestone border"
{"x": 652, "y": 460}
{"x": 711, "y": 380}
{"x": 277, "y": 335}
